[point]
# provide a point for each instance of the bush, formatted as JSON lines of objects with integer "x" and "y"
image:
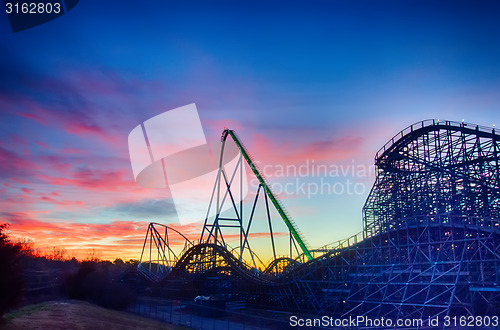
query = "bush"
{"x": 11, "y": 275}
{"x": 97, "y": 283}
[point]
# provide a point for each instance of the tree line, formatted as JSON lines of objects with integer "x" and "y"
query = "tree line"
{"x": 29, "y": 275}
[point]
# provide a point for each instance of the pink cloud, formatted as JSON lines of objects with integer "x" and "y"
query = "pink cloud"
{"x": 17, "y": 180}
{"x": 83, "y": 130}
{"x": 17, "y": 140}
{"x": 61, "y": 202}
{"x": 42, "y": 144}
{"x": 285, "y": 149}
{"x": 77, "y": 123}
{"x": 79, "y": 189}
{"x": 57, "y": 163}
{"x": 34, "y": 116}
{"x": 328, "y": 151}
{"x": 74, "y": 151}
{"x": 13, "y": 165}
{"x": 107, "y": 180}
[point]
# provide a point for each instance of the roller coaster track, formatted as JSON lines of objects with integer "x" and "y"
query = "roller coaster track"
{"x": 276, "y": 202}
{"x": 435, "y": 167}
{"x": 354, "y": 273}
{"x": 166, "y": 257}
{"x": 394, "y": 145}
{"x": 394, "y": 150}
{"x": 430, "y": 244}
{"x": 198, "y": 257}
{"x": 280, "y": 266}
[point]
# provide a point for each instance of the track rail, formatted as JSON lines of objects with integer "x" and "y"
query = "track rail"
{"x": 425, "y": 126}
{"x": 206, "y": 250}
{"x": 430, "y": 246}
{"x": 276, "y": 202}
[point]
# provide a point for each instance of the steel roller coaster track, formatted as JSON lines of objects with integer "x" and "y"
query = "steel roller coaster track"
{"x": 430, "y": 245}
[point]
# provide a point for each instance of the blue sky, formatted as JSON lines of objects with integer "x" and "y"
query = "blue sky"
{"x": 329, "y": 81}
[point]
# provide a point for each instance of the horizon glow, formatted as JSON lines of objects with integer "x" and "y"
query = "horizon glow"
{"x": 325, "y": 82}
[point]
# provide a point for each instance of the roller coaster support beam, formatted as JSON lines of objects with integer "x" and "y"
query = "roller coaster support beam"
{"x": 268, "y": 191}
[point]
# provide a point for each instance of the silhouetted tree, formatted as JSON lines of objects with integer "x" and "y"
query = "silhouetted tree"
{"x": 57, "y": 253}
{"x": 118, "y": 262}
{"x": 133, "y": 262}
{"x": 11, "y": 283}
{"x": 27, "y": 247}
{"x": 93, "y": 255}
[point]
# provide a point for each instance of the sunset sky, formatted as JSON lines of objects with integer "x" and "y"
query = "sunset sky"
{"x": 302, "y": 82}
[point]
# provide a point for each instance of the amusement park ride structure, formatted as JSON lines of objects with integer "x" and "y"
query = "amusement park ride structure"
{"x": 430, "y": 245}
{"x": 213, "y": 230}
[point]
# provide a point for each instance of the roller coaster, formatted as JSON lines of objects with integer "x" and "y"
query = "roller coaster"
{"x": 430, "y": 244}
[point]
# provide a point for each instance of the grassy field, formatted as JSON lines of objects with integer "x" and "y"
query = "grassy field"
{"x": 71, "y": 314}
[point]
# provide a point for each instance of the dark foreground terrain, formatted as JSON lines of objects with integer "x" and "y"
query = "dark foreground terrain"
{"x": 71, "y": 314}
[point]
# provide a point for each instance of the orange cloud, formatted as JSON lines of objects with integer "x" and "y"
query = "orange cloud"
{"x": 118, "y": 239}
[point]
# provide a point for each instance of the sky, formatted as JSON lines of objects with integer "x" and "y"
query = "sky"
{"x": 317, "y": 84}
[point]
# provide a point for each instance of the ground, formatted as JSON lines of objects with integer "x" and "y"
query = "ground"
{"x": 71, "y": 314}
